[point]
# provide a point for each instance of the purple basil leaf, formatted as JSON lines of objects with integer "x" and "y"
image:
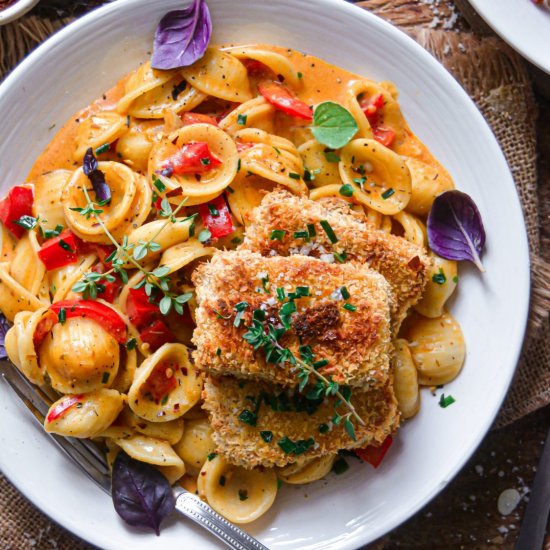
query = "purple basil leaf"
{"x": 4, "y": 327}
{"x": 141, "y": 494}
{"x": 455, "y": 228}
{"x": 182, "y": 37}
{"x": 96, "y": 176}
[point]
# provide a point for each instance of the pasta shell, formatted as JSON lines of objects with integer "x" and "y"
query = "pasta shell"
{"x": 196, "y": 445}
{"x": 428, "y": 181}
{"x": 315, "y": 160}
{"x": 256, "y": 113}
{"x": 307, "y": 472}
{"x": 355, "y": 89}
{"x": 26, "y": 268}
{"x": 437, "y": 347}
{"x": 134, "y": 147}
{"x": 47, "y": 204}
{"x": 405, "y": 380}
{"x": 130, "y": 203}
{"x": 278, "y": 63}
{"x": 63, "y": 278}
{"x": 413, "y": 229}
{"x": 171, "y": 361}
{"x": 438, "y": 291}
{"x": 209, "y": 184}
{"x": 14, "y": 297}
{"x": 92, "y": 415}
{"x": 387, "y": 187}
{"x": 239, "y": 495}
{"x": 79, "y": 356}
{"x": 248, "y": 192}
{"x": 156, "y": 452}
{"x": 7, "y": 244}
{"x": 183, "y": 254}
{"x": 171, "y": 431}
{"x": 126, "y": 371}
{"x": 103, "y": 127}
{"x": 220, "y": 75}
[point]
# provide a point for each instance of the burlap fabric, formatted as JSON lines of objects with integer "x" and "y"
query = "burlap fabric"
{"x": 497, "y": 81}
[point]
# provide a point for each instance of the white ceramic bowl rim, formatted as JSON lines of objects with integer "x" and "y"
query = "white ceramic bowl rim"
{"x": 455, "y": 463}
{"x": 17, "y": 9}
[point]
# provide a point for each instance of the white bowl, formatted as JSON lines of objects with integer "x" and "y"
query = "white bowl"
{"x": 521, "y": 23}
{"x": 16, "y": 10}
{"x": 347, "y": 511}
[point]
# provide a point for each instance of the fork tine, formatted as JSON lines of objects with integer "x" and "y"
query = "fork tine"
{"x": 96, "y": 469}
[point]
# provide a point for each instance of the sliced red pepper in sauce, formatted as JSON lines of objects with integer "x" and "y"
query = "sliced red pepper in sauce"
{"x": 161, "y": 381}
{"x": 102, "y": 251}
{"x": 63, "y": 406}
{"x": 374, "y": 455}
{"x": 18, "y": 203}
{"x": 96, "y": 311}
{"x": 110, "y": 288}
{"x": 284, "y": 100}
{"x": 372, "y": 110}
{"x": 156, "y": 334}
{"x": 59, "y": 251}
{"x": 198, "y": 118}
{"x": 43, "y": 328}
{"x": 139, "y": 309}
{"x": 385, "y": 136}
{"x": 221, "y": 224}
{"x": 193, "y": 158}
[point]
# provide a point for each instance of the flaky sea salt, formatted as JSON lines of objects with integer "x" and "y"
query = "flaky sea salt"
{"x": 508, "y": 501}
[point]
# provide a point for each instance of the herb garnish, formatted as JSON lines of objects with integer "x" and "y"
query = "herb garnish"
{"x": 329, "y": 231}
{"x": 277, "y": 234}
{"x": 241, "y": 119}
{"x": 346, "y": 190}
{"x": 446, "y": 400}
{"x": 388, "y": 193}
{"x": 333, "y": 125}
{"x": 439, "y": 278}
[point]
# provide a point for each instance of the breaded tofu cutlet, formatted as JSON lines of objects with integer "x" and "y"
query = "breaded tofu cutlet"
{"x": 335, "y": 316}
{"x": 340, "y": 234}
{"x": 286, "y": 427}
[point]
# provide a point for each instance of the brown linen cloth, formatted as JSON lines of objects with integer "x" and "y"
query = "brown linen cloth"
{"x": 496, "y": 79}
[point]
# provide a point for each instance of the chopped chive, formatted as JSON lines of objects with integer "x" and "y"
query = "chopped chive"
{"x": 321, "y": 363}
{"x": 455, "y": 279}
{"x": 277, "y": 150}
{"x": 238, "y": 165}
{"x": 345, "y": 293}
{"x": 62, "y": 315}
{"x": 311, "y": 230}
{"x": 241, "y": 306}
{"x": 388, "y": 193}
{"x": 301, "y": 235}
{"x": 159, "y": 185}
{"x": 65, "y": 246}
{"x": 105, "y": 377}
{"x": 323, "y": 428}
{"x": 445, "y": 401}
{"x": 346, "y": 190}
{"x": 248, "y": 417}
{"x": 221, "y": 481}
{"x": 213, "y": 210}
{"x": 277, "y": 234}
{"x": 205, "y": 161}
{"x": 259, "y": 315}
{"x": 128, "y": 121}
{"x": 340, "y": 466}
{"x": 331, "y": 156}
{"x": 219, "y": 352}
{"x": 350, "y": 307}
{"x": 340, "y": 257}
{"x": 102, "y": 149}
{"x": 299, "y": 75}
{"x": 164, "y": 400}
{"x": 288, "y": 308}
{"x": 439, "y": 278}
{"x": 329, "y": 231}
{"x": 243, "y": 494}
{"x": 301, "y": 291}
{"x": 211, "y": 456}
{"x": 360, "y": 181}
{"x": 267, "y": 436}
{"x": 281, "y": 294}
{"x": 131, "y": 344}
{"x": 294, "y": 175}
{"x": 241, "y": 119}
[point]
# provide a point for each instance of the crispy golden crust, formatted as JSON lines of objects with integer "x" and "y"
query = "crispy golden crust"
{"x": 403, "y": 264}
{"x": 241, "y": 444}
{"x": 356, "y": 344}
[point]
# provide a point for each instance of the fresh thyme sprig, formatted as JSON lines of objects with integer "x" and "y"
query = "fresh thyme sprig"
{"x": 267, "y": 336}
{"x": 91, "y": 284}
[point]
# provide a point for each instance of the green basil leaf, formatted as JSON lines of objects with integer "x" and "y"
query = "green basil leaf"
{"x": 333, "y": 125}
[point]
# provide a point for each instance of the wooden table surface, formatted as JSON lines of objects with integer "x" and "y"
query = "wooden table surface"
{"x": 465, "y": 514}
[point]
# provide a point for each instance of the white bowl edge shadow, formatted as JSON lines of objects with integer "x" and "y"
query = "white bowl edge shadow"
{"x": 439, "y": 80}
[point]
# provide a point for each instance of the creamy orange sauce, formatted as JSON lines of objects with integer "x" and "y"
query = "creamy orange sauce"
{"x": 321, "y": 81}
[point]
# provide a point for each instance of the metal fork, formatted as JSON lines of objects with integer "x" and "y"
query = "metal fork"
{"x": 89, "y": 458}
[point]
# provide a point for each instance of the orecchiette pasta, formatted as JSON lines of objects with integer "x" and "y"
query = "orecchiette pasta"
{"x": 306, "y": 472}
{"x": 98, "y": 130}
{"x": 405, "y": 380}
{"x": 196, "y": 445}
{"x": 442, "y": 281}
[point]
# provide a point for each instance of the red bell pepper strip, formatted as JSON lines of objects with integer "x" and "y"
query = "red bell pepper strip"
{"x": 102, "y": 251}
{"x": 62, "y": 406}
{"x": 374, "y": 455}
{"x": 198, "y": 118}
{"x": 216, "y": 217}
{"x": 193, "y": 158}
{"x": 59, "y": 251}
{"x": 18, "y": 203}
{"x": 283, "y": 99}
{"x": 110, "y": 289}
{"x": 156, "y": 334}
{"x": 43, "y": 328}
{"x": 96, "y": 311}
{"x": 382, "y": 135}
{"x": 139, "y": 309}
{"x": 161, "y": 381}
{"x": 255, "y": 67}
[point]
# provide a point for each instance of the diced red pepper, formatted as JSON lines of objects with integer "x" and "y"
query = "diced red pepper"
{"x": 198, "y": 118}
{"x": 255, "y": 67}
{"x": 102, "y": 251}
{"x": 374, "y": 455}
{"x": 110, "y": 289}
{"x": 139, "y": 309}
{"x": 283, "y": 99}
{"x": 220, "y": 224}
{"x": 96, "y": 311}
{"x": 385, "y": 136}
{"x": 156, "y": 334}
{"x": 161, "y": 381}
{"x": 62, "y": 406}
{"x": 372, "y": 108}
{"x": 18, "y": 203}
{"x": 193, "y": 158}
{"x": 43, "y": 328}
{"x": 59, "y": 251}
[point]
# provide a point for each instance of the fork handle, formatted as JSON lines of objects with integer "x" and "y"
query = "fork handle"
{"x": 194, "y": 508}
